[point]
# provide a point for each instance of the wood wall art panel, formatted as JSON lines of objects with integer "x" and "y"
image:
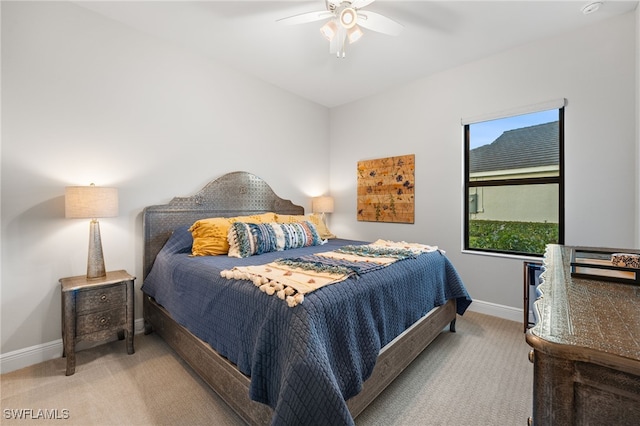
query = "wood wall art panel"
{"x": 386, "y": 189}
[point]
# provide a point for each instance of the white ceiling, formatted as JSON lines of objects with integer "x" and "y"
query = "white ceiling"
{"x": 438, "y": 35}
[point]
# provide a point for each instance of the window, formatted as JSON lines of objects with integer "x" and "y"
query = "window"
{"x": 514, "y": 182}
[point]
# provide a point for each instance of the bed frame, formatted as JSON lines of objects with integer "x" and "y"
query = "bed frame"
{"x": 242, "y": 193}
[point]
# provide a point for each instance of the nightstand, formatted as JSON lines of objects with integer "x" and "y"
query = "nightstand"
{"x": 95, "y": 309}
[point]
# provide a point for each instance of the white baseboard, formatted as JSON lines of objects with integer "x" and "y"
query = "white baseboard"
{"x": 28, "y": 356}
{"x": 500, "y": 311}
{"x": 21, "y": 358}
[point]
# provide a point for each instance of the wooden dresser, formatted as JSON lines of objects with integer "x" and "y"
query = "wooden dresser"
{"x": 586, "y": 348}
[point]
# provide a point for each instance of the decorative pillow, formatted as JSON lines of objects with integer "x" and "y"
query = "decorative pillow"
{"x": 248, "y": 239}
{"x": 321, "y": 227}
{"x": 210, "y": 235}
{"x": 300, "y": 234}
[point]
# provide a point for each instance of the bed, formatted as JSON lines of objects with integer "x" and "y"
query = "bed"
{"x": 320, "y": 362}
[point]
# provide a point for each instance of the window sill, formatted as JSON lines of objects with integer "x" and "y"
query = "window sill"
{"x": 504, "y": 255}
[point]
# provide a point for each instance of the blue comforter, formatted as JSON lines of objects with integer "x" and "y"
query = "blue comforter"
{"x": 304, "y": 361}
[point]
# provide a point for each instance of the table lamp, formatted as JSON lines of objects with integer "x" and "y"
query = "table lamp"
{"x": 322, "y": 205}
{"x": 92, "y": 202}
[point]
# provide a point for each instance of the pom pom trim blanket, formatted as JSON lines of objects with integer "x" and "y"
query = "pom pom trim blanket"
{"x": 291, "y": 278}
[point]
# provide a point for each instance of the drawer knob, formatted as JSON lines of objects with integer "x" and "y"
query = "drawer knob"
{"x": 103, "y": 297}
{"x": 103, "y": 321}
{"x": 532, "y": 356}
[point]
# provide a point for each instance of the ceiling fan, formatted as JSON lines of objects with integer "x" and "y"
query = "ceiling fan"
{"x": 345, "y": 19}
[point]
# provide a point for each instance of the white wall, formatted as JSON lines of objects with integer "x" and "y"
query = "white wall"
{"x": 88, "y": 100}
{"x": 593, "y": 68}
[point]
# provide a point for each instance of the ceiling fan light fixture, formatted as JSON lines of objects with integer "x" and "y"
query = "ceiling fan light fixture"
{"x": 329, "y": 30}
{"x": 345, "y": 20}
{"x": 354, "y": 34}
{"x": 348, "y": 18}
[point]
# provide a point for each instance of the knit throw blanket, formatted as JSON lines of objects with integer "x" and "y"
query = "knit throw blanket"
{"x": 291, "y": 278}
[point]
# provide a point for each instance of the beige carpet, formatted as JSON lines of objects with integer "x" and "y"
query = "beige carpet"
{"x": 477, "y": 376}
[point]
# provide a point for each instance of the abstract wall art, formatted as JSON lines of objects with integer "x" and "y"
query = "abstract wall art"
{"x": 386, "y": 189}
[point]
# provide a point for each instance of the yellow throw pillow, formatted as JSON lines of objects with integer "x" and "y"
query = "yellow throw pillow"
{"x": 255, "y": 218}
{"x": 290, "y": 218}
{"x": 322, "y": 229}
{"x": 210, "y": 235}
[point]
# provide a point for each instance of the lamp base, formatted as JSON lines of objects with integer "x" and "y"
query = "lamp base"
{"x": 95, "y": 262}
{"x": 323, "y": 217}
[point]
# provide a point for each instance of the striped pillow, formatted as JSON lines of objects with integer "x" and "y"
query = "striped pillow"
{"x": 248, "y": 239}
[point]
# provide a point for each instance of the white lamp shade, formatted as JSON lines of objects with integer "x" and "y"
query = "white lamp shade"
{"x": 348, "y": 17}
{"x": 322, "y": 205}
{"x": 354, "y": 34}
{"x": 329, "y": 30}
{"x": 90, "y": 202}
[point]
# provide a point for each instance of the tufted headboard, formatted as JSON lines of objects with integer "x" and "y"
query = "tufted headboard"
{"x": 234, "y": 194}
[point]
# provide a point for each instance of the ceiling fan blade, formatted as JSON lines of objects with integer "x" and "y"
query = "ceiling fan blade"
{"x": 303, "y": 18}
{"x": 379, "y": 23}
{"x": 358, "y": 4}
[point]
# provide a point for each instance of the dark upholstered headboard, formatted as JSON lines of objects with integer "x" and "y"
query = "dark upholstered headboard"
{"x": 234, "y": 194}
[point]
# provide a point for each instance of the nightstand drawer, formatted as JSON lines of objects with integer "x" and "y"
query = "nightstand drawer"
{"x": 100, "y": 298}
{"x": 90, "y": 323}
